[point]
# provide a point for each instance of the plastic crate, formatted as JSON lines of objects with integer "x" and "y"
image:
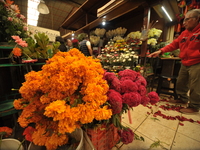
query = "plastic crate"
{"x": 104, "y": 137}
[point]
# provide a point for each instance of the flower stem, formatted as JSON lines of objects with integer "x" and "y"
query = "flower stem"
{"x": 21, "y": 144}
{"x": 1, "y": 140}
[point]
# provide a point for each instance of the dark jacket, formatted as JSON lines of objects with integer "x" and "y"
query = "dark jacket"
{"x": 62, "y": 46}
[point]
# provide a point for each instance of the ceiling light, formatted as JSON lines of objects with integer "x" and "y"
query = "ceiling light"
{"x": 42, "y": 8}
{"x": 104, "y": 22}
{"x": 163, "y": 8}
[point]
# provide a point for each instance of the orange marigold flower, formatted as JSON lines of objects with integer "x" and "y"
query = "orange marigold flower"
{"x": 17, "y": 51}
{"x": 5, "y": 131}
{"x": 9, "y": 2}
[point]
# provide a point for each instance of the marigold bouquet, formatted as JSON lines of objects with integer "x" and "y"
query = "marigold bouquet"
{"x": 67, "y": 93}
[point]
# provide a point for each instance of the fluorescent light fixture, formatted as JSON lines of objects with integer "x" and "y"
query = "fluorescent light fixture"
{"x": 32, "y": 13}
{"x": 163, "y": 8}
{"x": 72, "y": 38}
{"x": 72, "y": 34}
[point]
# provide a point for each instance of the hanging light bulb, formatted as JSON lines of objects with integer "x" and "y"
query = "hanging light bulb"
{"x": 42, "y": 8}
{"x": 104, "y": 22}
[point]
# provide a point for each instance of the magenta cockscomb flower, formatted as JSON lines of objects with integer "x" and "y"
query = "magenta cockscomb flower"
{"x": 132, "y": 99}
{"x": 128, "y": 86}
{"x": 126, "y": 135}
{"x": 115, "y": 100}
{"x": 153, "y": 96}
{"x": 128, "y": 74}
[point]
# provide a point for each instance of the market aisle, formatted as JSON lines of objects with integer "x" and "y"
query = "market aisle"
{"x": 171, "y": 134}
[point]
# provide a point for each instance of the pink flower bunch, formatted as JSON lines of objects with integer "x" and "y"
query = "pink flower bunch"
{"x": 154, "y": 98}
{"x": 128, "y": 74}
{"x": 133, "y": 99}
{"x": 115, "y": 100}
{"x": 129, "y": 86}
{"x": 126, "y": 135}
{"x": 10, "y": 18}
{"x": 19, "y": 41}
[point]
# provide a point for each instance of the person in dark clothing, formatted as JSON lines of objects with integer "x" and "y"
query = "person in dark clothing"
{"x": 85, "y": 46}
{"x": 62, "y": 46}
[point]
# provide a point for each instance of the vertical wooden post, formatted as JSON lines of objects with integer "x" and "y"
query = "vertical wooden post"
{"x": 146, "y": 20}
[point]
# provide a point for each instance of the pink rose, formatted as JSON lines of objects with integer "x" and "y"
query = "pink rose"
{"x": 10, "y": 19}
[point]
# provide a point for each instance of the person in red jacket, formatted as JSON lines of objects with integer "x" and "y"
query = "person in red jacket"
{"x": 189, "y": 75}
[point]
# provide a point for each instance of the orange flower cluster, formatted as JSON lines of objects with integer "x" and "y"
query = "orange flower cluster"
{"x": 68, "y": 92}
{"x": 17, "y": 51}
{"x": 5, "y": 131}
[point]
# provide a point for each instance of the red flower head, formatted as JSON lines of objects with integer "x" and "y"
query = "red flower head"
{"x": 141, "y": 81}
{"x": 128, "y": 86}
{"x": 126, "y": 135}
{"x": 5, "y": 131}
{"x": 145, "y": 100}
{"x": 142, "y": 90}
{"x": 74, "y": 41}
{"x": 28, "y": 133}
{"x": 115, "y": 100}
{"x": 128, "y": 74}
{"x": 133, "y": 99}
{"x": 154, "y": 98}
{"x": 109, "y": 76}
{"x": 116, "y": 85}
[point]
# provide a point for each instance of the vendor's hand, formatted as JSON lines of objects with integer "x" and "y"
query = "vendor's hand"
{"x": 155, "y": 54}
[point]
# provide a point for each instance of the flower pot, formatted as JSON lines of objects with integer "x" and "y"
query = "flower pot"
{"x": 32, "y": 146}
{"x": 11, "y": 144}
{"x": 77, "y": 134}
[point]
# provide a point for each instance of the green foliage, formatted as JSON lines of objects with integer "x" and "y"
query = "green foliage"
{"x": 42, "y": 40}
{"x": 158, "y": 143}
{"x": 137, "y": 137}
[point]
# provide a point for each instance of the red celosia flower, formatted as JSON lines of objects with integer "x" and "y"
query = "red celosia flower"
{"x": 109, "y": 76}
{"x": 141, "y": 81}
{"x": 126, "y": 135}
{"x": 144, "y": 100}
{"x": 129, "y": 74}
{"x": 154, "y": 98}
{"x": 142, "y": 90}
{"x": 74, "y": 41}
{"x": 28, "y": 133}
{"x": 115, "y": 100}
{"x": 116, "y": 85}
{"x": 5, "y": 131}
{"x": 128, "y": 86}
{"x": 133, "y": 99}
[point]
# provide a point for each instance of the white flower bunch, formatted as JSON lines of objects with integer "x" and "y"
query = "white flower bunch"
{"x": 152, "y": 41}
{"x": 154, "y": 32}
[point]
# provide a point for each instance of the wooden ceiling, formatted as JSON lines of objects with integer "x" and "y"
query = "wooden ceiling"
{"x": 81, "y": 15}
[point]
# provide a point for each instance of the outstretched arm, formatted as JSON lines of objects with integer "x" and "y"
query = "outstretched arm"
{"x": 89, "y": 47}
